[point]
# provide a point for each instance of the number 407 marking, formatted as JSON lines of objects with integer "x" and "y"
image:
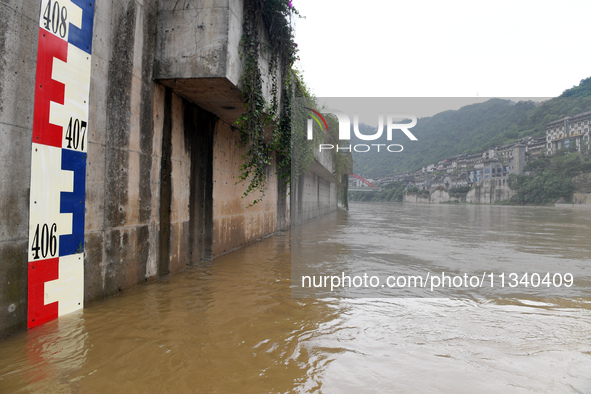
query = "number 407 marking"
{"x": 76, "y": 134}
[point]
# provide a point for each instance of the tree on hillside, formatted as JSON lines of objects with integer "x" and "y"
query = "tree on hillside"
{"x": 582, "y": 90}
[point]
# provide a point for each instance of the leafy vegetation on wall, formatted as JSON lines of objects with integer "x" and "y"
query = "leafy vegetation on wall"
{"x": 260, "y": 115}
{"x": 285, "y": 122}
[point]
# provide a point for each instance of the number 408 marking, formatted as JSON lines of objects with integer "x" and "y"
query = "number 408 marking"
{"x": 56, "y": 19}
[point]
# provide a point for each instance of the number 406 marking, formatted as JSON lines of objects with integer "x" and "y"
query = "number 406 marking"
{"x": 44, "y": 241}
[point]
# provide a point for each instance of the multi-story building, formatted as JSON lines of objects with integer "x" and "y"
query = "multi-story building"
{"x": 504, "y": 152}
{"x": 535, "y": 146}
{"x": 517, "y": 160}
{"x": 570, "y": 131}
{"x": 475, "y": 175}
{"x": 470, "y": 160}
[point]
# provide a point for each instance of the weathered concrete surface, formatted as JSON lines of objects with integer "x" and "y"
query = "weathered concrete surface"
{"x": 439, "y": 196}
{"x": 183, "y": 27}
{"x": 162, "y": 159}
{"x": 415, "y": 199}
{"x": 199, "y": 129}
{"x": 235, "y": 222}
{"x": 122, "y": 223}
{"x": 204, "y": 74}
{"x": 314, "y": 194}
{"x": 582, "y": 198}
{"x": 283, "y": 200}
{"x": 216, "y": 95}
{"x": 198, "y": 54}
{"x": 436, "y": 197}
{"x": 180, "y": 178}
{"x": 489, "y": 194}
{"x": 18, "y": 58}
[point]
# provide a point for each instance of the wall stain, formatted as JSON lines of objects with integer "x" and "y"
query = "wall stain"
{"x": 4, "y": 28}
{"x": 165, "y": 187}
{"x": 13, "y": 287}
{"x": 147, "y": 115}
{"x": 119, "y": 83}
{"x": 199, "y": 130}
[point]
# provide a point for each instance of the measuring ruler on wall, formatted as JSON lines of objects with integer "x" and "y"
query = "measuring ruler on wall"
{"x": 58, "y": 160}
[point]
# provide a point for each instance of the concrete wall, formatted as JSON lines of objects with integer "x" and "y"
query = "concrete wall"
{"x": 235, "y": 221}
{"x": 415, "y": 199}
{"x": 489, "y": 193}
{"x": 183, "y": 25}
{"x": 313, "y": 195}
{"x": 18, "y": 58}
{"x": 161, "y": 168}
{"x": 439, "y": 196}
{"x": 582, "y": 198}
{"x": 436, "y": 197}
{"x": 124, "y": 152}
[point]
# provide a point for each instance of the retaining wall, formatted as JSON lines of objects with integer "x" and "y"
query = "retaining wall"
{"x": 161, "y": 156}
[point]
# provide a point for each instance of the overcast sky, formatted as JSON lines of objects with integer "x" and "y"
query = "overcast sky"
{"x": 443, "y": 48}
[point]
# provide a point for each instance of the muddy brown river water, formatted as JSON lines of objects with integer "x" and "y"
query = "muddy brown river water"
{"x": 233, "y": 326}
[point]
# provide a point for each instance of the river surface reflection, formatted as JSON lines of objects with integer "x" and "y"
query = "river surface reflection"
{"x": 232, "y": 326}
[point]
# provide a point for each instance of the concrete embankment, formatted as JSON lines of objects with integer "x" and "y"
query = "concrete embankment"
{"x": 151, "y": 94}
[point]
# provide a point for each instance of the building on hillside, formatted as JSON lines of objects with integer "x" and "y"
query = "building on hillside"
{"x": 469, "y": 160}
{"x": 535, "y": 146}
{"x": 453, "y": 181}
{"x": 504, "y": 152}
{"x": 518, "y": 160}
{"x": 475, "y": 174}
{"x": 429, "y": 168}
{"x": 570, "y": 131}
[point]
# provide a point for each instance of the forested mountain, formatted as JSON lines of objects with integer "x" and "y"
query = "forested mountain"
{"x": 471, "y": 129}
{"x": 582, "y": 90}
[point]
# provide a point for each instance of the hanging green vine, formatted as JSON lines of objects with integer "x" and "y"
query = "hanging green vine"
{"x": 287, "y": 142}
{"x": 304, "y": 151}
{"x": 275, "y": 17}
{"x": 301, "y": 149}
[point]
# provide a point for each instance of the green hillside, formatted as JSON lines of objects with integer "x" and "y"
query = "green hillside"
{"x": 582, "y": 90}
{"x": 471, "y": 129}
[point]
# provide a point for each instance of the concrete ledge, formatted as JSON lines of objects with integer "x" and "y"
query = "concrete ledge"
{"x": 198, "y": 54}
{"x": 216, "y": 95}
{"x": 319, "y": 169}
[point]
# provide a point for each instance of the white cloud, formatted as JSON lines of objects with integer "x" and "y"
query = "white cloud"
{"x": 454, "y": 48}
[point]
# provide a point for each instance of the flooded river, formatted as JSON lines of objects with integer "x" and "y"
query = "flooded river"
{"x": 234, "y": 326}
